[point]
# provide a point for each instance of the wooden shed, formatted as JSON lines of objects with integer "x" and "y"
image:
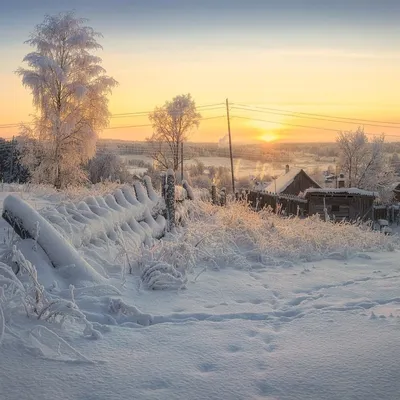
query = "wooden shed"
{"x": 345, "y": 203}
{"x": 293, "y": 182}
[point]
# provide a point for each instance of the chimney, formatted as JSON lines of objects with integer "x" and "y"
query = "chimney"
{"x": 287, "y": 168}
{"x": 341, "y": 181}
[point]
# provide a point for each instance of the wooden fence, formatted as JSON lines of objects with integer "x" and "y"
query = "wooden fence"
{"x": 284, "y": 204}
{"x": 294, "y": 205}
{"x": 391, "y": 213}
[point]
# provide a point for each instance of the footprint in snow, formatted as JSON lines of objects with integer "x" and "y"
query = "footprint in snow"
{"x": 270, "y": 347}
{"x": 252, "y": 333}
{"x": 233, "y": 348}
{"x": 266, "y": 389}
{"x": 257, "y": 301}
{"x": 207, "y": 367}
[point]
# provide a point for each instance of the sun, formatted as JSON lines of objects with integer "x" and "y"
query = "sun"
{"x": 269, "y": 137}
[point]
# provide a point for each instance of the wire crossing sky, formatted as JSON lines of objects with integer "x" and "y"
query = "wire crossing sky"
{"x": 276, "y": 60}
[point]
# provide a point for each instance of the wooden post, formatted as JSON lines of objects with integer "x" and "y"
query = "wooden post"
{"x": 230, "y": 145}
{"x": 223, "y": 197}
{"x": 170, "y": 198}
{"x": 163, "y": 184}
{"x": 214, "y": 194}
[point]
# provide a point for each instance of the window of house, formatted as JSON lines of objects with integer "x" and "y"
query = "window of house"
{"x": 335, "y": 208}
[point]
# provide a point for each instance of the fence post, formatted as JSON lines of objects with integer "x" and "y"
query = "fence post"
{"x": 163, "y": 184}
{"x": 170, "y": 198}
{"x": 223, "y": 197}
{"x": 214, "y": 194}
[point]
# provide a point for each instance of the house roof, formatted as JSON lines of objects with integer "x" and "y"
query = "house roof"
{"x": 283, "y": 181}
{"x": 353, "y": 191}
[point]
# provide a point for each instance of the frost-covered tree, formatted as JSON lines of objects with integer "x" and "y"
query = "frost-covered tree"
{"x": 69, "y": 88}
{"x": 108, "y": 166}
{"x": 365, "y": 163}
{"x": 172, "y": 124}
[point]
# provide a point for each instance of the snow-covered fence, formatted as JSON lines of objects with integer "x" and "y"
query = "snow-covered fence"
{"x": 218, "y": 196}
{"x": 289, "y": 204}
{"x": 174, "y": 195}
{"x": 61, "y": 230}
{"x": 170, "y": 198}
{"x": 391, "y": 213}
{"x": 214, "y": 194}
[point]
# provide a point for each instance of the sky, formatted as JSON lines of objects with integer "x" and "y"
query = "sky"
{"x": 271, "y": 58}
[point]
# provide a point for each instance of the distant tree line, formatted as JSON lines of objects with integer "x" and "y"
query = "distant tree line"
{"x": 11, "y": 165}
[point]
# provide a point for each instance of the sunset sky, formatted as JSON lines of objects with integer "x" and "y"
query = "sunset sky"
{"x": 336, "y": 58}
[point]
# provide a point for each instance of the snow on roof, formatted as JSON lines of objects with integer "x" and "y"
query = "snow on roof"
{"x": 355, "y": 191}
{"x": 283, "y": 181}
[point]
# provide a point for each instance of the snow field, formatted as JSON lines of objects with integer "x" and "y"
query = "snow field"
{"x": 257, "y": 306}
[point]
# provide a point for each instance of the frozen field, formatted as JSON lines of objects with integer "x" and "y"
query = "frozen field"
{"x": 246, "y": 168}
{"x": 272, "y": 309}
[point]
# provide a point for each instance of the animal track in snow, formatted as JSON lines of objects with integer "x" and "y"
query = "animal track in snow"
{"x": 233, "y": 348}
{"x": 251, "y": 301}
{"x": 207, "y": 367}
{"x": 266, "y": 389}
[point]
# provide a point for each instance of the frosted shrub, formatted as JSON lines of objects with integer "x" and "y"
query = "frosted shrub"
{"x": 26, "y": 291}
{"x": 238, "y": 237}
{"x": 34, "y": 291}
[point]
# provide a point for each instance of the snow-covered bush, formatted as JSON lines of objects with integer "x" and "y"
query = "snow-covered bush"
{"x": 108, "y": 166}
{"x": 24, "y": 291}
{"x": 238, "y": 237}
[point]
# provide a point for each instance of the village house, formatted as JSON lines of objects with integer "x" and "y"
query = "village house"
{"x": 293, "y": 182}
{"x": 342, "y": 203}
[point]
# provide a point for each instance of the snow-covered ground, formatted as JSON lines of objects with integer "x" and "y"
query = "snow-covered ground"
{"x": 272, "y": 309}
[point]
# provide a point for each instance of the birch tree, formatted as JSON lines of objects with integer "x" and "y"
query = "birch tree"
{"x": 365, "y": 162}
{"x": 69, "y": 88}
{"x": 172, "y": 124}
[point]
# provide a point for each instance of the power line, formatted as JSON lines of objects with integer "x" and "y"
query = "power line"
{"x": 320, "y": 115}
{"x": 293, "y": 114}
{"x": 204, "y": 107}
{"x": 302, "y": 126}
{"x": 145, "y": 114}
{"x": 127, "y": 126}
{"x": 147, "y": 125}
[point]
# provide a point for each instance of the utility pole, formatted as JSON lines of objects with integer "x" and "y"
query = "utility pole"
{"x": 12, "y": 160}
{"x": 230, "y": 145}
{"x": 181, "y": 162}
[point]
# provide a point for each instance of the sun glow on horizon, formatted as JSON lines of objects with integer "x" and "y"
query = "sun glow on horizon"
{"x": 268, "y": 137}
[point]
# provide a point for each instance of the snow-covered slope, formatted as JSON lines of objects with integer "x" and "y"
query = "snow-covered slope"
{"x": 272, "y": 308}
